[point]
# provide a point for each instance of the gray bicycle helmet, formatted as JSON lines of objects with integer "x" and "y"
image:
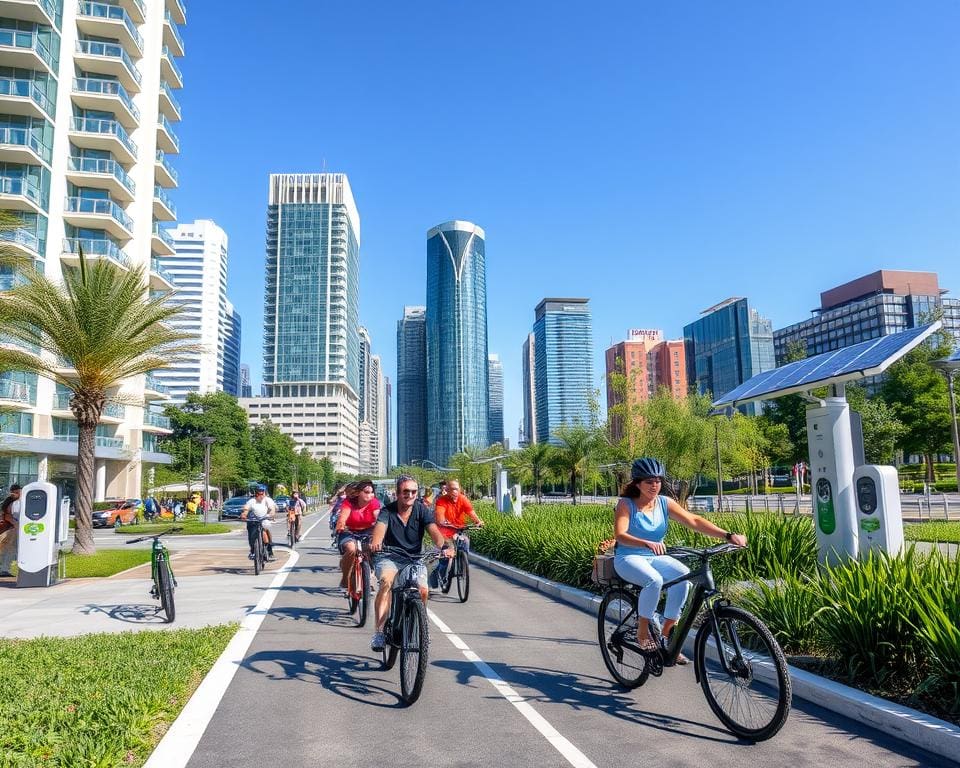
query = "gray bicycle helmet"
{"x": 647, "y": 467}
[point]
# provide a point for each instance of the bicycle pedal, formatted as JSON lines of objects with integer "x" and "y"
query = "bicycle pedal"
{"x": 655, "y": 664}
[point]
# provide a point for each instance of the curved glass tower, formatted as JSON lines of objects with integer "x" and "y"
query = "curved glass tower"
{"x": 456, "y": 340}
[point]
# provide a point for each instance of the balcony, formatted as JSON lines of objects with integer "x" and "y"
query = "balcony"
{"x": 135, "y": 9}
{"x": 171, "y": 35}
{"x": 102, "y": 173}
{"x": 100, "y": 440}
{"x": 169, "y": 106}
{"x": 112, "y": 21}
{"x": 17, "y": 395}
{"x": 113, "y": 413}
{"x": 24, "y": 242}
{"x": 169, "y": 70}
{"x": 155, "y": 422}
{"x": 20, "y": 96}
{"x": 161, "y": 243}
{"x": 154, "y": 390}
{"x": 163, "y": 207}
{"x": 94, "y": 133}
{"x": 166, "y": 137}
{"x": 98, "y": 213}
{"x": 177, "y": 11}
{"x": 26, "y": 50}
{"x": 40, "y": 11}
{"x": 92, "y": 251}
{"x": 109, "y": 59}
{"x": 20, "y": 193}
{"x": 108, "y": 96}
{"x": 160, "y": 279}
{"x": 166, "y": 174}
{"x": 23, "y": 146}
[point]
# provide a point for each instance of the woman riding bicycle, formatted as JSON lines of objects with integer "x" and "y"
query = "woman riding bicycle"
{"x": 640, "y": 526}
{"x": 358, "y": 515}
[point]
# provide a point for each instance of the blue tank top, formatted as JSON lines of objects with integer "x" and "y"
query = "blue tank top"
{"x": 652, "y": 527}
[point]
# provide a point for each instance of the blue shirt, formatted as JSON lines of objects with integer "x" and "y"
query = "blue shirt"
{"x": 652, "y": 527}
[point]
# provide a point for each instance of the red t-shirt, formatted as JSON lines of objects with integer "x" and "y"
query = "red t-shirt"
{"x": 455, "y": 513}
{"x": 360, "y": 519}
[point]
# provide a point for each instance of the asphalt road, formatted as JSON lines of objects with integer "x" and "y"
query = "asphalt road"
{"x": 310, "y": 692}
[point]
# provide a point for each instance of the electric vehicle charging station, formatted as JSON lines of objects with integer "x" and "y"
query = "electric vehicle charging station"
{"x": 38, "y": 535}
{"x": 879, "y": 518}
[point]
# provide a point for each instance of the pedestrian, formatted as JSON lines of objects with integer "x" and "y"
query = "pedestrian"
{"x": 9, "y": 517}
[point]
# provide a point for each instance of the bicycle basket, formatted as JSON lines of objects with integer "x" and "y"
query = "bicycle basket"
{"x": 603, "y": 572}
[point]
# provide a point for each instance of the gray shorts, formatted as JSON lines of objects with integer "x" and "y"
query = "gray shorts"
{"x": 385, "y": 564}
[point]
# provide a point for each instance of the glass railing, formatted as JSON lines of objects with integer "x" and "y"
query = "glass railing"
{"x": 173, "y": 26}
{"x": 154, "y": 385}
{"x": 139, "y": 4}
{"x": 182, "y": 8}
{"x": 168, "y": 92}
{"x": 168, "y": 127}
{"x": 113, "y": 13}
{"x": 168, "y": 54}
{"x": 161, "y": 195}
{"x": 156, "y": 420}
{"x": 27, "y": 89}
{"x": 155, "y": 267}
{"x": 61, "y": 402}
{"x": 107, "y": 88}
{"x": 24, "y": 137}
{"x": 100, "y": 248}
{"x": 104, "y": 166}
{"x": 22, "y": 238}
{"x": 110, "y": 51}
{"x": 53, "y": 9}
{"x": 99, "y": 207}
{"x": 114, "y": 411}
{"x": 20, "y": 186}
{"x": 99, "y": 440}
{"x": 96, "y": 125}
{"x": 17, "y": 391}
{"x": 162, "y": 159}
{"x": 158, "y": 231}
{"x": 17, "y": 38}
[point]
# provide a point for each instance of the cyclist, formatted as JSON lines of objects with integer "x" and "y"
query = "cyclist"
{"x": 296, "y": 509}
{"x": 262, "y": 508}
{"x": 401, "y": 524}
{"x": 640, "y": 525}
{"x": 451, "y": 512}
{"x": 337, "y": 501}
{"x": 355, "y": 525}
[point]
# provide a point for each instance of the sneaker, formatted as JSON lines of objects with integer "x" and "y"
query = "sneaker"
{"x": 378, "y": 642}
{"x": 271, "y": 559}
{"x": 250, "y": 556}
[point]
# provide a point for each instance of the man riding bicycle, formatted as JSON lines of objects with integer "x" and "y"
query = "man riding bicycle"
{"x": 296, "y": 510}
{"x": 401, "y": 526}
{"x": 259, "y": 509}
{"x": 451, "y": 513}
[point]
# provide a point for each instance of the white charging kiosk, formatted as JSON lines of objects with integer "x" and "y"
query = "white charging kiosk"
{"x": 879, "y": 516}
{"x": 37, "y": 535}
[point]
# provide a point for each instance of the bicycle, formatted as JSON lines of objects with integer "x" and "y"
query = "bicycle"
{"x": 291, "y": 531}
{"x": 359, "y": 588}
{"x": 459, "y": 567}
{"x": 161, "y": 572}
{"x": 406, "y": 631}
{"x": 259, "y": 548}
{"x": 733, "y": 650}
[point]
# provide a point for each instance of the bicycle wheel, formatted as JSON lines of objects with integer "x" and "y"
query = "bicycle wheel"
{"x": 617, "y": 616}
{"x": 753, "y": 699}
{"x": 165, "y": 588}
{"x": 258, "y": 557}
{"x": 447, "y": 581}
{"x": 364, "y": 602}
{"x": 414, "y": 648}
{"x": 463, "y": 576}
{"x": 389, "y": 652}
{"x": 291, "y": 534}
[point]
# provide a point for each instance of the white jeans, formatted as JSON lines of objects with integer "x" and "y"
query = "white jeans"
{"x": 649, "y": 572}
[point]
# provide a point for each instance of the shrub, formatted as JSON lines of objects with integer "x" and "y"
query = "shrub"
{"x": 787, "y": 606}
{"x": 938, "y": 628}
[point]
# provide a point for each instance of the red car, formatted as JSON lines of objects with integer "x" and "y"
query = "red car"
{"x": 124, "y": 512}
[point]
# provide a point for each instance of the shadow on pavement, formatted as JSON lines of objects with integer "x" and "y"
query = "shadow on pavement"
{"x": 128, "y": 612}
{"x": 343, "y": 674}
{"x": 334, "y": 617}
{"x": 537, "y": 638}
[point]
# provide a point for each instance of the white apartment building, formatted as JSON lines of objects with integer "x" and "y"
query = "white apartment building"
{"x": 87, "y": 114}
{"x": 198, "y": 270}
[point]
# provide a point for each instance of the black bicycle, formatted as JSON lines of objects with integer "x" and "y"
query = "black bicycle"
{"x": 406, "y": 631}
{"x": 259, "y": 548}
{"x": 164, "y": 581}
{"x": 738, "y": 663}
{"x": 458, "y": 569}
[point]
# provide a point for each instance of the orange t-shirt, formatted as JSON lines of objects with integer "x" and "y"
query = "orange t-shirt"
{"x": 455, "y": 513}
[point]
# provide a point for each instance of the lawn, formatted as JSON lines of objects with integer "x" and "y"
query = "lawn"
{"x": 936, "y": 531}
{"x": 190, "y": 528}
{"x": 66, "y": 702}
{"x": 105, "y": 562}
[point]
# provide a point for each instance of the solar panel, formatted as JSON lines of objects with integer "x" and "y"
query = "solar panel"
{"x": 868, "y": 358}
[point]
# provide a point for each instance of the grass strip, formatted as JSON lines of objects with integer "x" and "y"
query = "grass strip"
{"x": 936, "y": 531}
{"x": 189, "y": 529}
{"x": 105, "y": 562}
{"x": 99, "y": 700}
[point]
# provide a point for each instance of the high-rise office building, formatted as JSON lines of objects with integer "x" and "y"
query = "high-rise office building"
{"x": 246, "y": 388}
{"x": 311, "y": 345}
{"x": 198, "y": 271}
{"x": 87, "y": 115}
{"x": 388, "y": 412}
{"x": 373, "y": 395}
{"x": 495, "y": 395}
{"x": 725, "y": 347}
{"x": 528, "y": 426}
{"x": 456, "y": 339}
{"x": 412, "y": 386}
{"x": 563, "y": 359}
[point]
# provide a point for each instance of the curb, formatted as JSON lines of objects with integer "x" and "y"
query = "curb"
{"x": 909, "y": 725}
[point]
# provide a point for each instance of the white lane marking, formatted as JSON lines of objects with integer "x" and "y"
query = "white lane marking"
{"x": 178, "y": 744}
{"x": 570, "y": 753}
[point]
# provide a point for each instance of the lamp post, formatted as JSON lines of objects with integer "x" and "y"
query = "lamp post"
{"x": 207, "y": 442}
{"x": 949, "y": 367}
{"x": 716, "y": 443}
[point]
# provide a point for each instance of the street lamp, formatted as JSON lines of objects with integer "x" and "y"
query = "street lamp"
{"x": 949, "y": 367}
{"x": 207, "y": 441}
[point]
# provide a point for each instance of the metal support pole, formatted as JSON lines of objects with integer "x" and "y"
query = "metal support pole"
{"x": 953, "y": 425}
{"x": 207, "y": 442}
{"x": 716, "y": 442}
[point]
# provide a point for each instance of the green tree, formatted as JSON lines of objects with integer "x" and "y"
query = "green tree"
{"x": 574, "y": 453}
{"x": 102, "y": 323}
{"x": 276, "y": 453}
{"x": 881, "y": 428}
{"x": 531, "y": 464}
{"x": 327, "y": 473}
{"x": 791, "y": 411}
{"x": 225, "y": 470}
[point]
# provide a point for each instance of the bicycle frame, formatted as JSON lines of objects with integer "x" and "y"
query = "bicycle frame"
{"x": 156, "y": 550}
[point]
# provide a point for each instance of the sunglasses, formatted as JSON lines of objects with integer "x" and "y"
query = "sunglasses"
{"x": 409, "y": 491}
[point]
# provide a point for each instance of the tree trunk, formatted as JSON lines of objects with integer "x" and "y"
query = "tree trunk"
{"x": 928, "y": 460}
{"x": 86, "y": 475}
{"x": 573, "y": 486}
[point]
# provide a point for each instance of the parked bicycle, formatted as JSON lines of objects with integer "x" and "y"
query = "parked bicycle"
{"x": 458, "y": 569}
{"x": 359, "y": 588}
{"x": 161, "y": 572}
{"x": 406, "y": 631}
{"x": 738, "y": 663}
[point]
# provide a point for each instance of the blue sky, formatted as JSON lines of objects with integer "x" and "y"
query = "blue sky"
{"x": 656, "y": 158}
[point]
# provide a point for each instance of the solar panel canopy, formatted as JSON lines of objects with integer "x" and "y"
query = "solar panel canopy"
{"x": 868, "y": 358}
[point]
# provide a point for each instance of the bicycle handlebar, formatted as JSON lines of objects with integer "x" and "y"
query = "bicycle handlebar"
{"x": 155, "y": 536}
{"x": 704, "y": 553}
{"x": 402, "y": 554}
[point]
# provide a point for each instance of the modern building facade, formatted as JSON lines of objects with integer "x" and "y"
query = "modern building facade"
{"x": 388, "y": 412}
{"x": 372, "y": 415}
{"x": 881, "y": 303}
{"x": 563, "y": 360}
{"x": 456, "y": 332}
{"x": 311, "y": 346}
{"x": 198, "y": 271}
{"x": 87, "y": 132}
{"x": 528, "y": 425}
{"x": 412, "y": 386}
{"x": 495, "y": 395}
{"x": 246, "y": 387}
{"x": 725, "y": 347}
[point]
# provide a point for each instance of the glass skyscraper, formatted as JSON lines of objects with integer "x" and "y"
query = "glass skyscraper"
{"x": 563, "y": 365}
{"x": 412, "y": 385}
{"x": 456, "y": 340}
{"x": 495, "y": 395}
{"x": 528, "y": 426}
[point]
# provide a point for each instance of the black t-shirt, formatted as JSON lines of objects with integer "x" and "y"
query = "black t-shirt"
{"x": 407, "y": 537}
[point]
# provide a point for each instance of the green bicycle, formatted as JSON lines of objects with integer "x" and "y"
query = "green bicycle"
{"x": 161, "y": 572}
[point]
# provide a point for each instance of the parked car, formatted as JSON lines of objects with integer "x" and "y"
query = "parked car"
{"x": 125, "y": 512}
{"x": 282, "y": 503}
{"x": 233, "y": 507}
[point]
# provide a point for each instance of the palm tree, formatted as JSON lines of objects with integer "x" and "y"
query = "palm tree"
{"x": 573, "y": 455}
{"x": 533, "y": 461}
{"x": 103, "y": 328}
